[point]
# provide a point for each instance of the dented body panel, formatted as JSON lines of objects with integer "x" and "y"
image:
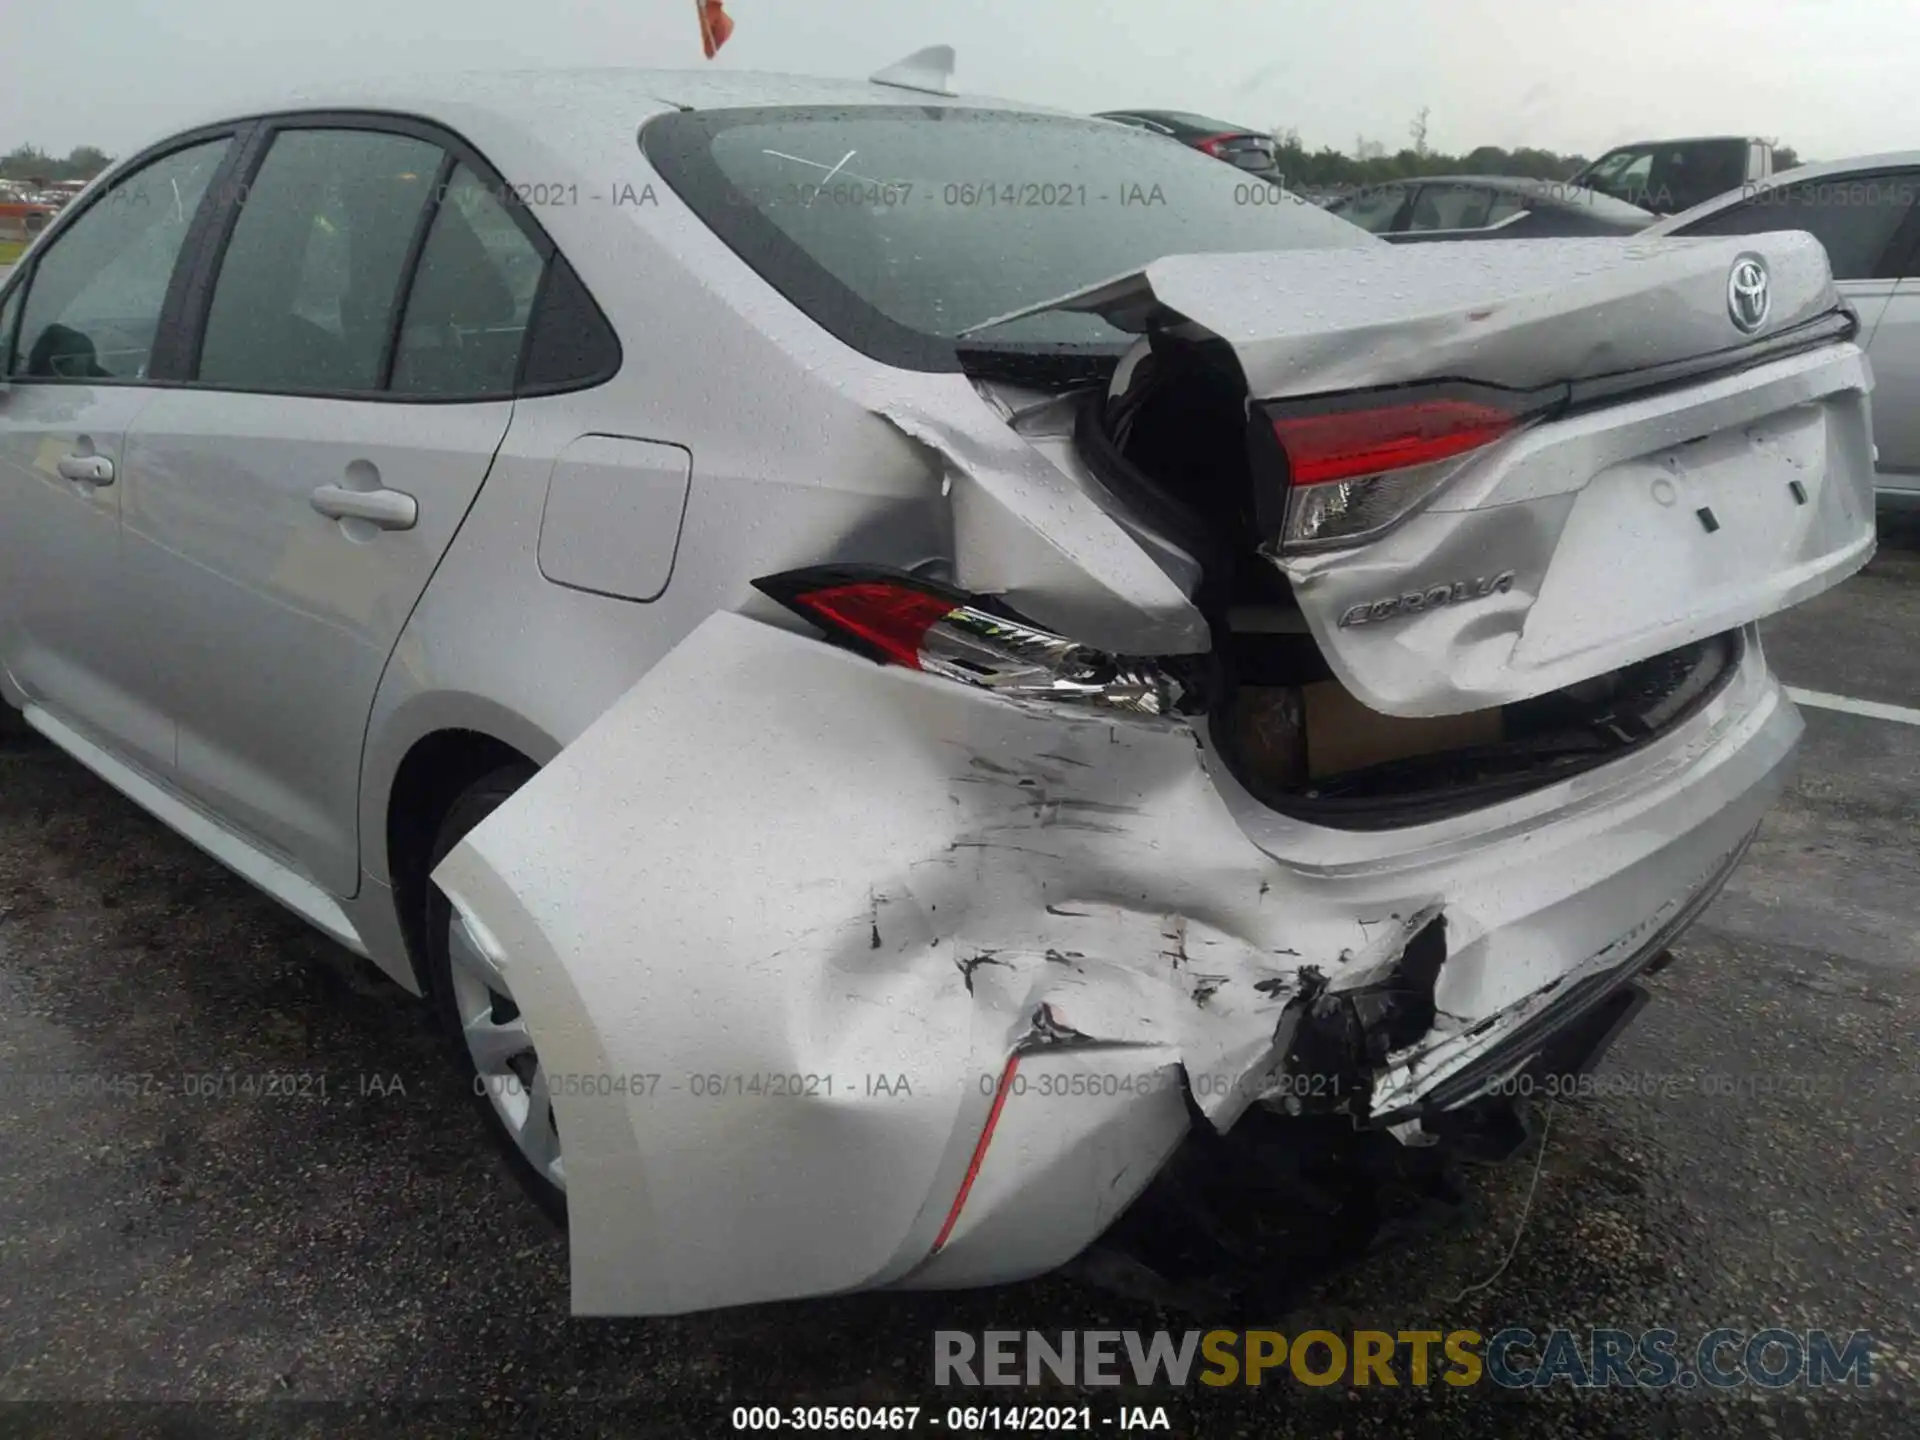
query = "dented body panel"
{"x": 1584, "y": 547}
{"x": 1531, "y": 312}
{"x": 843, "y": 975}
{"x": 900, "y": 886}
{"x": 1599, "y": 537}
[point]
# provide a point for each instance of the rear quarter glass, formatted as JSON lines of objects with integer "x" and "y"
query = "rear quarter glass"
{"x": 896, "y": 228}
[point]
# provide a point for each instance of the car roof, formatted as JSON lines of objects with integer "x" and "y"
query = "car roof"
{"x": 568, "y": 125}
{"x": 1677, "y": 140}
{"x": 611, "y": 95}
{"x": 1184, "y": 119}
{"x": 1822, "y": 170}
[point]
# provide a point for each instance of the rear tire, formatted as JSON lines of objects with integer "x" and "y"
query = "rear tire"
{"x": 493, "y": 1052}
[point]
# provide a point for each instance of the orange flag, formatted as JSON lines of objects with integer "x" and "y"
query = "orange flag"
{"x": 715, "y": 27}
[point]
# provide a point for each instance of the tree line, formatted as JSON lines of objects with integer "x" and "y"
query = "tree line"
{"x": 29, "y": 162}
{"x": 1371, "y": 163}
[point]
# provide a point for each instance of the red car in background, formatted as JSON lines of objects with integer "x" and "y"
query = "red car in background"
{"x": 1249, "y": 149}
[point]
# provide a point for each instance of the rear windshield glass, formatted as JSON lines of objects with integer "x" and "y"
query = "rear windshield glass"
{"x": 898, "y": 228}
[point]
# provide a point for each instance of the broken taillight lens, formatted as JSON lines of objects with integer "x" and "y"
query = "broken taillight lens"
{"x": 900, "y": 619}
{"x": 1357, "y": 464}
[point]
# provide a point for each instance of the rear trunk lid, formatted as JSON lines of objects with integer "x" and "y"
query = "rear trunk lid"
{"x": 1524, "y": 314}
{"x": 1695, "y": 466}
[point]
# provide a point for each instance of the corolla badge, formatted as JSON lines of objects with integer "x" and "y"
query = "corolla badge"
{"x": 1434, "y": 597}
{"x": 1749, "y": 293}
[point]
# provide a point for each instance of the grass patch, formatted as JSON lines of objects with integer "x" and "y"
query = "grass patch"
{"x": 10, "y": 251}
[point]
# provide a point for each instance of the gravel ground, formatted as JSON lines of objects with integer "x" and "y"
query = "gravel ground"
{"x": 349, "y": 1258}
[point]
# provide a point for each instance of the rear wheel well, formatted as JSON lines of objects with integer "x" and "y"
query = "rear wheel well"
{"x": 436, "y": 770}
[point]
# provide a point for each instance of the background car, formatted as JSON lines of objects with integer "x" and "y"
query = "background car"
{"x": 1481, "y": 207}
{"x": 1236, "y": 144}
{"x": 1864, "y": 212}
{"x": 1667, "y": 176}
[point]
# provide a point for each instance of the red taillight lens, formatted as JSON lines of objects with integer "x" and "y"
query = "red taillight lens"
{"x": 1214, "y": 144}
{"x": 1344, "y": 468}
{"x": 894, "y": 619}
{"x": 901, "y": 619}
{"x": 1348, "y": 444}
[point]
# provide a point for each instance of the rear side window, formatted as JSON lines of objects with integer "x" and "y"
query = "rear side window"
{"x": 1450, "y": 207}
{"x": 1707, "y": 170}
{"x": 572, "y": 344}
{"x": 94, "y": 298}
{"x": 1505, "y": 206}
{"x": 467, "y": 313}
{"x": 1372, "y": 210}
{"x": 1855, "y": 218}
{"x": 312, "y": 273}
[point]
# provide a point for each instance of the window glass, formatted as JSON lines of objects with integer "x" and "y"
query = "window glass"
{"x": 1505, "y": 206}
{"x": 93, "y": 308}
{"x": 1854, "y": 217}
{"x": 572, "y": 342}
{"x": 467, "y": 314}
{"x": 1450, "y": 207}
{"x": 307, "y": 288}
{"x": 1372, "y": 209}
{"x": 1695, "y": 173}
{"x": 1620, "y": 169}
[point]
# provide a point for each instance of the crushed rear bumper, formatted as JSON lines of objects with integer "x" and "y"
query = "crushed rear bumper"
{"x": 849, "y": 977}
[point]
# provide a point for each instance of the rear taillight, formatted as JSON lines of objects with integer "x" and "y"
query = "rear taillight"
{"x": 1356, "y": 464}
{"x": 1214, "y": 144}
{"x": 901, "y": 619}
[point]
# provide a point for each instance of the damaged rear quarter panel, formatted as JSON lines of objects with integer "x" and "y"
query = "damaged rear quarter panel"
{"x": 772, "y": 858}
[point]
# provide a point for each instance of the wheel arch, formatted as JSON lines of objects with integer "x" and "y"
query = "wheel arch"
{"x": 413, "y": 792}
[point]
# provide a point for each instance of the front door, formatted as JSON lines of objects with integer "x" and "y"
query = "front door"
{"x": 88, "y": 314}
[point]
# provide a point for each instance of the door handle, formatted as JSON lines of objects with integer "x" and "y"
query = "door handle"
{"x": 93, "y": 469}
{"x": 388, "y": 509}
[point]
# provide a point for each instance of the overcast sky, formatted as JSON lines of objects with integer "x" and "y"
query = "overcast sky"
{"x": 1830, "y": 77}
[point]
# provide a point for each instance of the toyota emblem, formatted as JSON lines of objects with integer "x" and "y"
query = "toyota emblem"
{"x": 1749, "y": 294}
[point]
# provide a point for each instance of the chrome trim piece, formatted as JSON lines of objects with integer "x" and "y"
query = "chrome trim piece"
{"x": 1021, "y": 662}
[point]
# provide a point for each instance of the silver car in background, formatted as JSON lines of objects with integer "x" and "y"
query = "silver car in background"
{"x": 890, "y": 662}
{"x": 1863, "y": 211}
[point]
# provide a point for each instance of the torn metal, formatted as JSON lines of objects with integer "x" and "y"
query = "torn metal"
{"x": 847, "y": 976}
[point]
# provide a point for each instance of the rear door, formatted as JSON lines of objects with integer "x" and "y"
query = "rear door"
{"x": 1896, "y": 370}
{"x": 1896, "y": 366}
{"x": 354, "y": 367}
{"x": 88, "y": 311}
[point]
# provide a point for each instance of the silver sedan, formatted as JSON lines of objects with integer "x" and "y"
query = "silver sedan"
{"x": 889, "y": 661}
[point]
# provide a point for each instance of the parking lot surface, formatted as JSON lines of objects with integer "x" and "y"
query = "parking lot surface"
{"x": 224, "y": 1262}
